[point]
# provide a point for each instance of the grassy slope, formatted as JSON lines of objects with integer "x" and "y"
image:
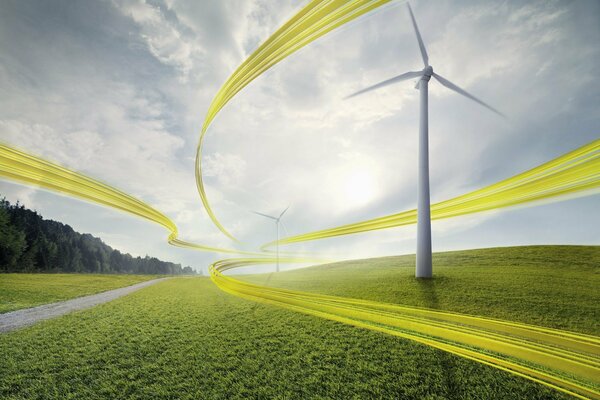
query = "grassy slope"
{"x": 29, "y": 290}
{"x": 183, "y": 338}
{"x": 554, "y": 286}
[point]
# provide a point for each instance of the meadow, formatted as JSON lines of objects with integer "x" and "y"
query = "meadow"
{"x": 552, "y": 286}
{"x": 19, "y": 291}
{"x": 183, "y": 338}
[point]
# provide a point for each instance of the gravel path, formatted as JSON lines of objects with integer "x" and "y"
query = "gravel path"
{"x": 29, "y": 316}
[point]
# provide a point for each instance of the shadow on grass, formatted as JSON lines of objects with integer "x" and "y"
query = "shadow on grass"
{"x": 428, "y": 289}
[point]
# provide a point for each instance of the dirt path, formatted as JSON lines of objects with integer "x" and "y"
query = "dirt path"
{"x": 29, "y": 316}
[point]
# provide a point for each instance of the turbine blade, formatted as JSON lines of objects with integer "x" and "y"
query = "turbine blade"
{"x": 264, "y": 215}
{"x": 283, "y": 212}
{"x": 399, "y": 78}
{"x": 419, "y": 38}
{"x": 284, "y": 228}
{"x": 452, "y": 86}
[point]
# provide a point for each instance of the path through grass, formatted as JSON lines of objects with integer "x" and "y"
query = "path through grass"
{"x": 183, "y": 338}
{"x": 19, "y": 291}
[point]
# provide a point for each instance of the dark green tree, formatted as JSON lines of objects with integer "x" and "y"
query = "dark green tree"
{"x": 29, "y": 243}
{"x": 12, "y": 241}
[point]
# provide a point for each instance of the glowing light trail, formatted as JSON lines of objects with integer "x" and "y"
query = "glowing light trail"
{"x": 316, "y": 19}
{"x": 566, "y": 361}
{"x": 21, "y": 167}
{"x": 576, "y": 171}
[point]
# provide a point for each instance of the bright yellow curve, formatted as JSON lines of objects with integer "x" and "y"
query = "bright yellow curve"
{"x": 576, "y": 171}
{"x": 21, "y": 167}
{"x": 316, "y": 19}
{"x": 566, "y": 361}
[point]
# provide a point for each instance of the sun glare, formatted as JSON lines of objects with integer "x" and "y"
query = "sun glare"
{"x": 359, "y": 188}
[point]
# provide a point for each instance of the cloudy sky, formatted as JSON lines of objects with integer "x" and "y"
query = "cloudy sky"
{"x": 118, "y": 90}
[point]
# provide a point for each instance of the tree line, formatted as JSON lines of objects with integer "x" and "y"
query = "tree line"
{"x": 30, "y": 243}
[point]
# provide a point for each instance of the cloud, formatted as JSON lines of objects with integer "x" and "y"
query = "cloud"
{"x": 228, "y": 169}
{"x": 165, "y": 39}
{"x": 124, "y": 101}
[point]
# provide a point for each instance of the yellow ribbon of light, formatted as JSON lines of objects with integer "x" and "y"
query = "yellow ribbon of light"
{"x": 566, "y": 361}
{"x": 21, "y": 167}
{"x": 316, "y": 19}
{"x": 576, "y": 171}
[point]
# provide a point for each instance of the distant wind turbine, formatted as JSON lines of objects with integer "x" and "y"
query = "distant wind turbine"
{"x": 424, "y": 267}
{"x": 276, "y": 219}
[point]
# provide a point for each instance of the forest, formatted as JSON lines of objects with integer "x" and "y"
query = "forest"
{"x": 30, "y": 243}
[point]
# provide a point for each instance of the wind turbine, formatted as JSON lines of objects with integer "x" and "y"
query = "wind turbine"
{"x": 277, "y": 219}
{"x": 424, "y": 267}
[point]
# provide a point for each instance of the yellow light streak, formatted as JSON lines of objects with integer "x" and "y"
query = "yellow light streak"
{"x": 21, "y": 167}
{"x": 313, "y": 21}
{"x": 566, "y": 361}
{"x": 573, "y": 172}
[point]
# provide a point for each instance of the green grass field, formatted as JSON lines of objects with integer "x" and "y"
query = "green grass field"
{"x": 553, "y": 286}
{"x": 183, "y": 338}
{"x": 29, "y": 290}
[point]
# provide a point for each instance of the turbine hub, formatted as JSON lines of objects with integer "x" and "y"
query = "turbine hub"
{"x": 427, "y": 72}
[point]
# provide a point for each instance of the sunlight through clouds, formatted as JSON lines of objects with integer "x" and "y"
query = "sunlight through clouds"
{"x": 124, "y": 101}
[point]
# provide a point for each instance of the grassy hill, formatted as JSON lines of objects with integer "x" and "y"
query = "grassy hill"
{"x": 183, "y": 338}
{"x": 553, "y": 286}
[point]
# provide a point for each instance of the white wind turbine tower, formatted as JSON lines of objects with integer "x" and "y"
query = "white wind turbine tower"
{"x": 424, "y": 267}
{"x": 276, "y": 219}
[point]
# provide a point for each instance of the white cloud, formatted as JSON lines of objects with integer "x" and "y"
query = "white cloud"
{"x": 228, "y": 169}
{"x": 123, "y": 101}
{"x": 163, "y": 38}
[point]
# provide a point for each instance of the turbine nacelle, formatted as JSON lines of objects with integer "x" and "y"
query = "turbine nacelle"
{"x": 276, "y": 219}
{"x": 427, "y": 72}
